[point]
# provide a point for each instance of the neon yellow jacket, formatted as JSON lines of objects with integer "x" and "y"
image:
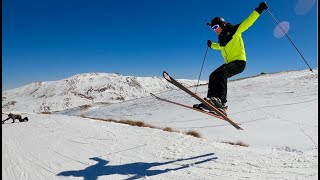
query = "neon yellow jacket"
{"x": 234, "y": 49}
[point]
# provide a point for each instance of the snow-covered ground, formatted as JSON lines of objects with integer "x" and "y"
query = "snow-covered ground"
{"x": 278, "y": 112}
{"x": 62, "y": 147}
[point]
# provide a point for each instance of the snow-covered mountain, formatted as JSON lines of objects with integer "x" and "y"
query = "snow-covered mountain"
{"x": 83, "y": 90}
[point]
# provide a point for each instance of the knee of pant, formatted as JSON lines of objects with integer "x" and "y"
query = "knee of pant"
{"x": 217, "y": 74}
{"x": 221, "y": 71}
{"x": 214, "y": 74}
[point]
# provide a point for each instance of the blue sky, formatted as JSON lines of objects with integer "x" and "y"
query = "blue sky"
{"x": 46, "y": 40}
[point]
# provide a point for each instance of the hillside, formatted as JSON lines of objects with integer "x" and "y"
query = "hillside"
{"x": 278, "y": 112}
{"x": 82, "y": 90}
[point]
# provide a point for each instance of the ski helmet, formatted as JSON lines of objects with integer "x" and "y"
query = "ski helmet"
{"x": 217, "y": 20}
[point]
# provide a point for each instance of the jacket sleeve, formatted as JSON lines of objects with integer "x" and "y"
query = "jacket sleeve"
{"x": 248, "y": 22}
{"x": 216, "y": 46}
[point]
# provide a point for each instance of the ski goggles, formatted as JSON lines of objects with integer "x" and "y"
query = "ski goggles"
{"x": 215, "y": 27}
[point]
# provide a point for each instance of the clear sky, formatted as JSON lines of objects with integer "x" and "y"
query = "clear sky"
{"x": 45, "y": 40}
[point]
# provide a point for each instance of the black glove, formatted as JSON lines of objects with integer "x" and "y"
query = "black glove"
{"x": 262, "y": 6}
{"x": 209, "y": 43}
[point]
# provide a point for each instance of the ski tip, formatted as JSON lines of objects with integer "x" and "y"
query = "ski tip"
{"x": 166, "y": 76}
{"x": 165, "y": 73}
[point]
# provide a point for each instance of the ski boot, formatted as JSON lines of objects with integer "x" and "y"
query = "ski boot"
{"x": 224, "y": 110}
{"x": 216, "y": 102}
{"x": 201, "y": 106}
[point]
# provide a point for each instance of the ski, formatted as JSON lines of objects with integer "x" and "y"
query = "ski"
{"x": 186, "y": 106}
{"x": 209, "y": 106}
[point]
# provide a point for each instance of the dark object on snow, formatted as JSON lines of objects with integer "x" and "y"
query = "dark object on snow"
{"x": 14, "y": 117}
{"x": 24, "y": 119}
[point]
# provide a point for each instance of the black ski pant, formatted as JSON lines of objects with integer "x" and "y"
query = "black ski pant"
{"x": 218, "y": 79}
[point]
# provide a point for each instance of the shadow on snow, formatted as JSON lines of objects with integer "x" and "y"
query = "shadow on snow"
{"x": 135, "y": 170}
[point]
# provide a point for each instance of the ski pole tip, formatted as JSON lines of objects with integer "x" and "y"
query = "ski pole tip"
{"x": 311, "y": 70}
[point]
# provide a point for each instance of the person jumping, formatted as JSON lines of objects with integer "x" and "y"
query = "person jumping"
{"x": 231, "y": 45}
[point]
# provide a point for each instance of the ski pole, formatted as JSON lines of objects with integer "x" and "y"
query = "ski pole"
{"x": 289, "y": 39}
{"x": 205, "y": 55}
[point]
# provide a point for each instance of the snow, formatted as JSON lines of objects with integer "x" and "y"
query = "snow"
{"x": 278, "y": 113}
{"x": 281, "y": 106}
{"x": 83, "y": 90}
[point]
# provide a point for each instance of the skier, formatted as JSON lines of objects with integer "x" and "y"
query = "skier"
{"x": 232, "y": 49}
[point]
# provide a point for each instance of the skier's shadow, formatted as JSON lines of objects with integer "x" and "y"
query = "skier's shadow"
{"x": 134, "y": 170}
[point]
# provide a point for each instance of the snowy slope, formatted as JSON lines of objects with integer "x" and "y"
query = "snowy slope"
{"x": 278, "y": 112}
{"x": 275, "y": 110}
{"x": 82, "y": 90}
{"x": 63, "y": 147}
